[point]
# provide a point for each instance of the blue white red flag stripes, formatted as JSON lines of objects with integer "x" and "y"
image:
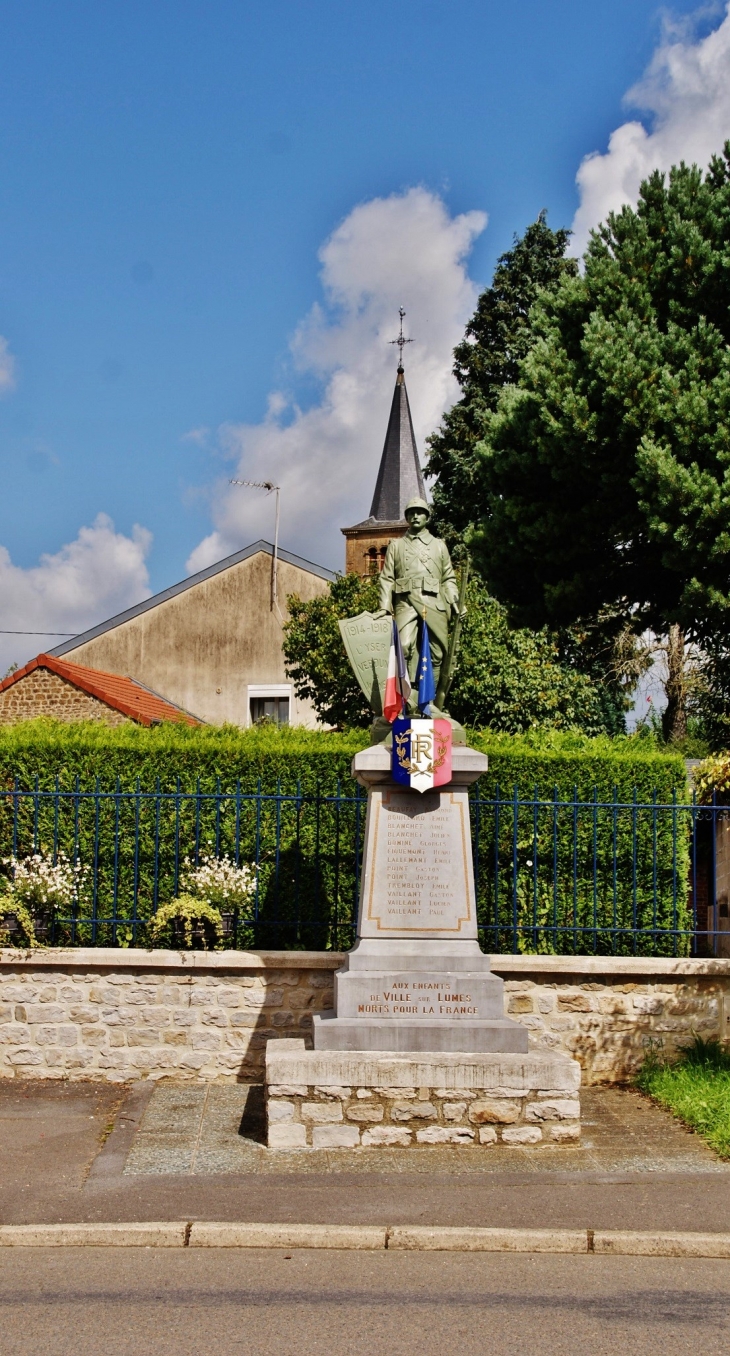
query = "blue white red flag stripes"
{"x": 397, "y": 682}
{"x": 421, "y": 753}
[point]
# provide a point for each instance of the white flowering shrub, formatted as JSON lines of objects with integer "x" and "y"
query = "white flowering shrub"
{"x": 39, "y": 883}
{"x": 220, "y": 882}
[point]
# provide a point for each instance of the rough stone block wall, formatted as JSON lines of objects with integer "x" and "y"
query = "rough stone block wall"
{"x": 42, "y": 693}
{"x": 345, "y": 1118}
{"x": 113, "y": 1014}
{"x": 143, "y": 1023}
{"x": 608, "y": 1024}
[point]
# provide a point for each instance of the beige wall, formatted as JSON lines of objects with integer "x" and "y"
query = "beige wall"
{"x": 116, "y": 1014}
{"x": 202, "y": 648}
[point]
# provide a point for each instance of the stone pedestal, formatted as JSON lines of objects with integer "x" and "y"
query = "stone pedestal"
{"x": 327, "y": 1099}
{"x": 416, "y": 978}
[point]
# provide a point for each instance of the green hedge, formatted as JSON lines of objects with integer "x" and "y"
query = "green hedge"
{"x": 592, "y": 857}
{"x": 550, "y": 877}
{"x": 46, "y": 749}
{"x": 574, "y": 762}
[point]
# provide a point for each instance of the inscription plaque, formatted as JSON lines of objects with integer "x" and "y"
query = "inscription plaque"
{"x": 422, "y": 998}
{"x": 418, "y": 871}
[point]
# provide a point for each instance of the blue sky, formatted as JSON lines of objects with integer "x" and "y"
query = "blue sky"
{"x": 170, "y": 175}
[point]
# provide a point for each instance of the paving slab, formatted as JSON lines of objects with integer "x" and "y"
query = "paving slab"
{"x": 88, "y": 1152}
{"x": 622, "y": 1133}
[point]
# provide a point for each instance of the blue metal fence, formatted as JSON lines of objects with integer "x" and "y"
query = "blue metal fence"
{"x": 554, "y": 874}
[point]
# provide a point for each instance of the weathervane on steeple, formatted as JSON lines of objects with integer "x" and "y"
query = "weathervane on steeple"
{"x": 400, "y": 341}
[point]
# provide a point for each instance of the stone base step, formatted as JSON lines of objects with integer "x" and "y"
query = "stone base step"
{"x": 326, "y": 1099}
{"x": 480, "y": 1035}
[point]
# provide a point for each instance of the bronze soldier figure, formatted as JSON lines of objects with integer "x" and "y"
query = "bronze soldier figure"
{"x": 418, "y": 582}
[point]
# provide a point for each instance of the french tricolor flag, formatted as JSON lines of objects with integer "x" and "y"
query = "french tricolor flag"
{"x": 421, "y": 755}
{"x": 397, "y": 682}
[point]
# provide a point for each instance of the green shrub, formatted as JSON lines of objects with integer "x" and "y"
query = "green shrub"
{"x": 713, "y": 774}
{"x": 23, "y": 934}
{"x": 188, "y": 923}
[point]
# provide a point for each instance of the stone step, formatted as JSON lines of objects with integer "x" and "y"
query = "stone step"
{"x": 487, "y": 1035}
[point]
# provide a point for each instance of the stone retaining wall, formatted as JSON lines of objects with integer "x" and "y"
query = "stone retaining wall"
{"x": 119, "y": 1015}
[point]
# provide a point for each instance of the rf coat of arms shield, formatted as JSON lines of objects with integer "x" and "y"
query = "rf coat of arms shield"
{"x": 367, "y": 641}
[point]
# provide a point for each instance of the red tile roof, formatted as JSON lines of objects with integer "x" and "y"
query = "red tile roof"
{"x": 122, "y": 694}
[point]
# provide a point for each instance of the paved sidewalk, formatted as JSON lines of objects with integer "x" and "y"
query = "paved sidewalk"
{"x": 84, "y": 1151}
{"x": 220, "y": 1129}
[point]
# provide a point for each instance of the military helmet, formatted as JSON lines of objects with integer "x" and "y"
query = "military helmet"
{"x": 416, "y": 504}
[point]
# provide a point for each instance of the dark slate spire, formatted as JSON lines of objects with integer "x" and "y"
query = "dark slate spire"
{"x": 399, "y": 476}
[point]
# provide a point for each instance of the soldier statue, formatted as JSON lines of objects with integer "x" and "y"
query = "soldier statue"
{"x": 418, "y": 583}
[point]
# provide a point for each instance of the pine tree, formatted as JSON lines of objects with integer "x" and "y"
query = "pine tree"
{"x": 604, "y": 474}
{"x": 497, "y": 339}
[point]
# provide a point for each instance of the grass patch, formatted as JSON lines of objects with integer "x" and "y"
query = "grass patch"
{"x": 696, "y": 1088}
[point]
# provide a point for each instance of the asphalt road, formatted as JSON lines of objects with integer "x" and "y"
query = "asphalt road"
{"x": 83, "y": 1302}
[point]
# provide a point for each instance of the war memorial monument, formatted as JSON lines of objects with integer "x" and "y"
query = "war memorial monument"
{"x": 418, "y": 1049}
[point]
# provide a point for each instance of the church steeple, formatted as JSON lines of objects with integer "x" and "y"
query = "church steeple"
{"x": 399, "y": 479}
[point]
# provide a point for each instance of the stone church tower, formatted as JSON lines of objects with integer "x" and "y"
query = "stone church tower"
{"x": 399, "y": 479}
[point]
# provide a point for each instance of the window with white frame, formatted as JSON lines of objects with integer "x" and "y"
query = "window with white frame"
{"x": 269, "y": 703}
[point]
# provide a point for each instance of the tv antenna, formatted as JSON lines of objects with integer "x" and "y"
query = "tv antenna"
{"x": 270, "y": 488}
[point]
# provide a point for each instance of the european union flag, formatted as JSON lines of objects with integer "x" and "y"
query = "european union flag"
{"x": 426, "y": 684}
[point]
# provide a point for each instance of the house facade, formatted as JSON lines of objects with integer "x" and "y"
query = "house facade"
{"x": 212, "y": 644}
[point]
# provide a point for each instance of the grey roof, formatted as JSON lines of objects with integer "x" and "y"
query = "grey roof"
{"x": 382, "y": 525}
{"x": 399, "y": 476}
{"x": 190, "y": 583}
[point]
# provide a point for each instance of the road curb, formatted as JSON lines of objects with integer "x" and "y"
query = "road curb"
{"x": 421, "y": 1238}
{"x": 350, "y": 1236}
{"x": 661, "y": 1244}
{"x": 162, "y": 1234}
{"x": 370, "y": 1237}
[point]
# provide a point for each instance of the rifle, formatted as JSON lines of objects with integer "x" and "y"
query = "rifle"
{"x": 446, "y": 676}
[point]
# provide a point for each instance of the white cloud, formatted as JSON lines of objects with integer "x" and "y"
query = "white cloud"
{"x": 686, "y": 92}
{"x": 196, "y": 435}
{"x": 97, "y": 575}
{"x": 7, "y": 368}
{"x": 402, "y": 250}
